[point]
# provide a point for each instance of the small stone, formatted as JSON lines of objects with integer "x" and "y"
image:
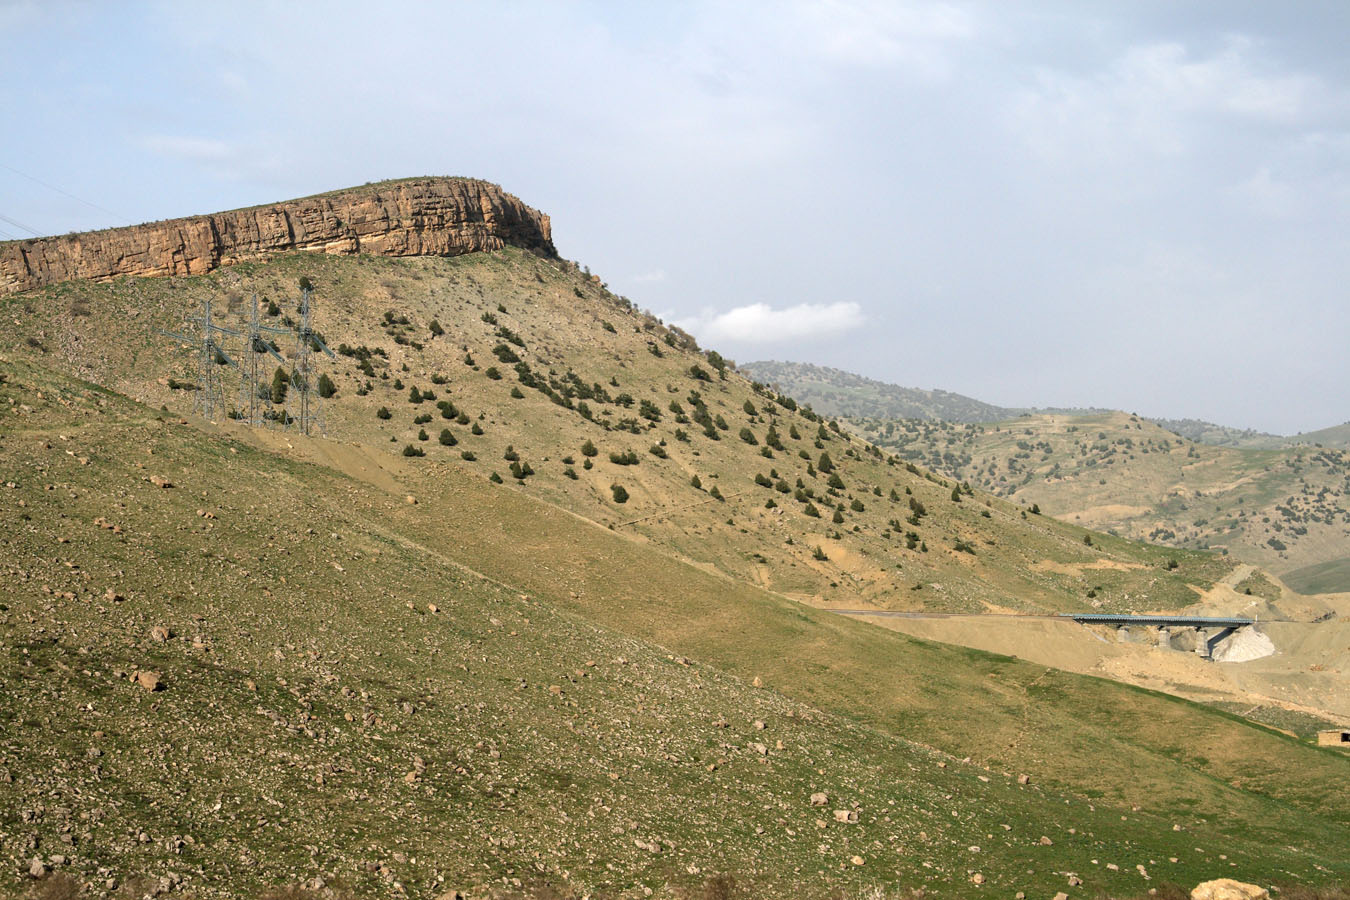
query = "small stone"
{"x": 758, "y": 682}
{"x": 847, "y": 816}
{"x": 161, "y": 482}
{"x": 857, "y": 860}
{"x": 160, "y": 634}
{"x": 1075, "y": 881}
{"x": 1045, "y": 841}
{"x": 819, "y": 799}
{"x": 977, "y": 878}
{"x": 37, "y": 868}
{"x": 410, "y": 500}
{"x": 1024, "y": 779}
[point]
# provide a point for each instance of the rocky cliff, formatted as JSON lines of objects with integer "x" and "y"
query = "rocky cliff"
{"x": 413, "y": 217}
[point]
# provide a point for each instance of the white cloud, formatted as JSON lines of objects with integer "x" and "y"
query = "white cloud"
{"x": 759, "y": 323}
{"x": 874, "y": 33}
{"x": 1153, "y": 97}
{"x": 649, "y": 277}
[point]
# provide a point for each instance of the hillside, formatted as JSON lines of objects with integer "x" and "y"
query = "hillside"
{"x": 1285, "y": 510}
{"x": 575, "y": 640}
{"x": 715, "y": 471}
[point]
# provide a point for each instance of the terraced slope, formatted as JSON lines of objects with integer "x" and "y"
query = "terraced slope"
{"x": 341, "y": 695}
{"x": 1285, "y": 510}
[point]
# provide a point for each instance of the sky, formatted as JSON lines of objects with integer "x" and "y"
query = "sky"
{"x": 1139, "y": 205}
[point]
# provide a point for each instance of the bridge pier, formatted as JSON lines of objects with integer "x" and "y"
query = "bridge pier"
{"x": 1201, "y": 643}
{"x": 1164, "y": 637}
{"x": 1123, "y": 634}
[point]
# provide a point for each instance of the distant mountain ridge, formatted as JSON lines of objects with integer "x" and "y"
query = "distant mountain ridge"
{"x": 835, "y": 392}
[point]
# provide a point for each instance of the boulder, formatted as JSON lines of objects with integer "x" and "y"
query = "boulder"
{"x": 1228, "y": 889}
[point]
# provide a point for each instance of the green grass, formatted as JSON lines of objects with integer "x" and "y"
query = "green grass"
{"x": 1332, "y": 576}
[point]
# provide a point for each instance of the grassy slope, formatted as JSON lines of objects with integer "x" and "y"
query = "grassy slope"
{"x": 561, "y": 318}
{"x": 1117, "y": 471}
{"x": 307, "y": 674}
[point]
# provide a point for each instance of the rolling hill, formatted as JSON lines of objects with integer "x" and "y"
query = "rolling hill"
{"x": 1285, "y": 510}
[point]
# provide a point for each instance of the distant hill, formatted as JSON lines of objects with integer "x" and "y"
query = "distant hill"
{"x": 1287, "y": 509}
{"x": 834, "y": 392}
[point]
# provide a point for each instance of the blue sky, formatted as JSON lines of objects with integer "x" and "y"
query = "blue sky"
{"x": 1139, "y": 205}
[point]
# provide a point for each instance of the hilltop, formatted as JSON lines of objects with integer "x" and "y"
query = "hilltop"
{"x": 545, "y": 606}
{"x": 410, "y": 217}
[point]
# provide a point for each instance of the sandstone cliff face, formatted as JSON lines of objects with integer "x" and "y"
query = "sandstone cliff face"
{"x": 416, "y": 217}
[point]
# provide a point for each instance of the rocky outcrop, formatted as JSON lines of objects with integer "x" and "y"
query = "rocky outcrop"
{"x": 413, "y": 217}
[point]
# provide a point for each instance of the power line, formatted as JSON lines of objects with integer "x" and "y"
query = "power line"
{"x": 65, "y": 193}
{"x": 33, "y": 231}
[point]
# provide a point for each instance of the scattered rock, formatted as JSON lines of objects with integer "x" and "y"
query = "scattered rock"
{"x": 160, "y": 634}
{"x": 148, "y": 680}
{"x": 819, "y": 799}
{"x": 161, "y": 482}
{"x": 1045, "y": 841}
{"x": 1228, "y": 889}
{"x": 1024, "y": 779}
{"x": 977, "y": 878}
{"x": 847, "y": 816}
{"x": 37, "y": 868}
{"x": 857, "y": 860}
{"x": 1074, "y": 880}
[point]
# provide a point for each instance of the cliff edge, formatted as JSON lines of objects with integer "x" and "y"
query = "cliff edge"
{"x": 412, "y": 217}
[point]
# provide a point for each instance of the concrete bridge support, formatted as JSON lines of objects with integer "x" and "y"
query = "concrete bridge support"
{"x": 1123, "y": 634}
{"x": 1164, "y": 638}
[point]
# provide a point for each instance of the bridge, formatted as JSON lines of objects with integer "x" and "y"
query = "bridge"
{"x": 1209, "y": 630}
{"x": 1220, "y": 626}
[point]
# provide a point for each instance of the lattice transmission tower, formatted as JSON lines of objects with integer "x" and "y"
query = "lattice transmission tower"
{"x": 308, "y": 411}
{"x": 255, "y": 402}
{"x": 203, "y": 335}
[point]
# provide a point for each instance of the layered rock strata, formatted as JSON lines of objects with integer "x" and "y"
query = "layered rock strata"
{"x": 414, "y": 217}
